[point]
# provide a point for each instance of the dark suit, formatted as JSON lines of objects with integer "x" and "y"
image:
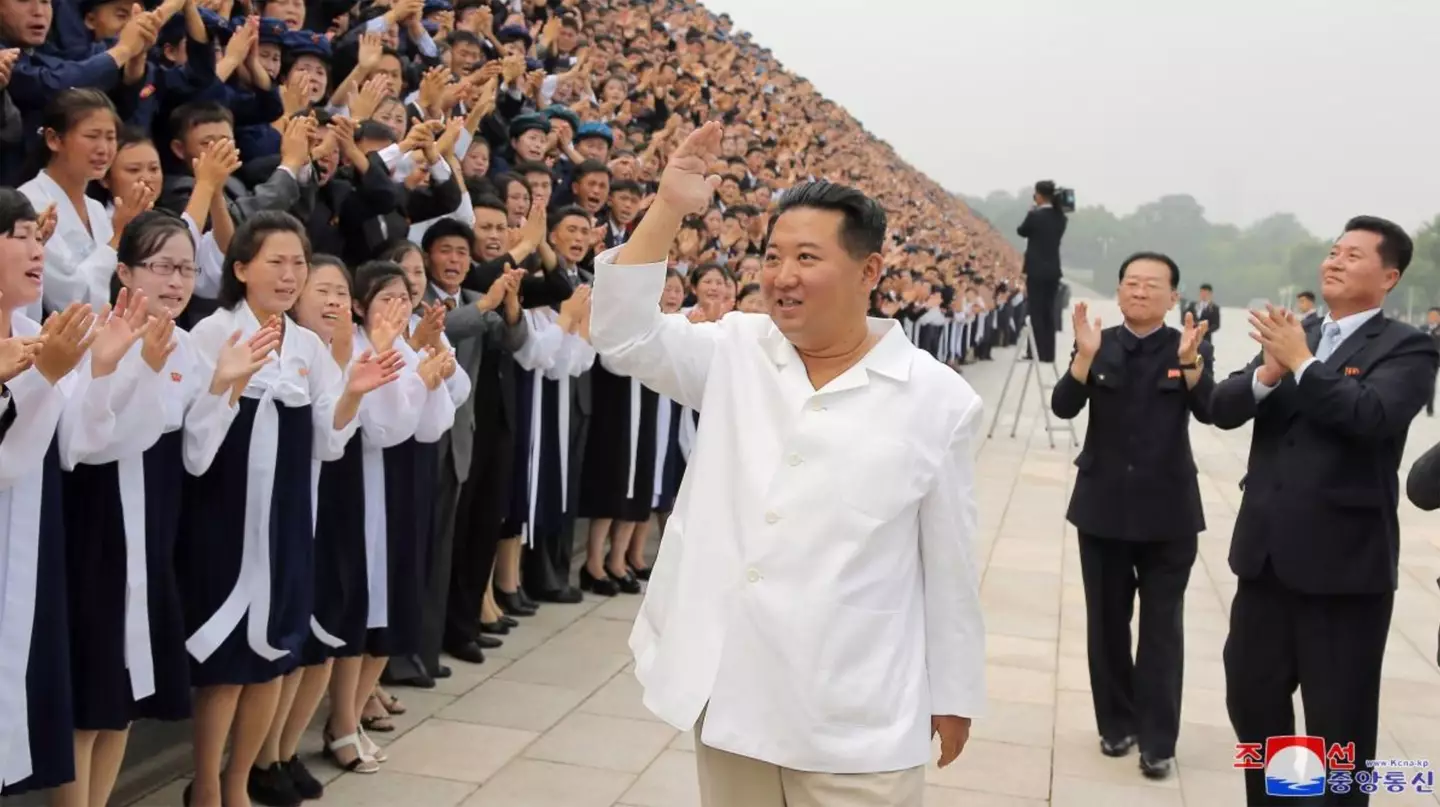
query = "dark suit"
{"x": 456, "y": 551}
{"x": 1317, "y": 540}
{"x": 1210, "y": 314}
{"x": 1434, "y": 331}
{"x": 1042, "y": 229}
{"x": 1422, "y": 486}
{"x": 1136, "y": 506}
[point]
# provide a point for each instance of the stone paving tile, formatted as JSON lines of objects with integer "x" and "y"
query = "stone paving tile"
{"x": 554, "y": 718}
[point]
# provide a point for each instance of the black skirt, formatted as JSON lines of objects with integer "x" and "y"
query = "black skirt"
{"x": 49, "y": 714}
{"x": 410, "y": 473}
{"x": 518, "y": 510}
{"x": 674, "y": 469}
{"x": 341, "y": 588}
{"x": 95, "y": 532}
{"x": 605, "y": 490}
{"x": 212, "y": 538}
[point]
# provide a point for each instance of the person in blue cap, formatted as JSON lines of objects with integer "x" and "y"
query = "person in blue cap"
{"x": 263, "y": 139}
{"x": 305, "y": 65}
{"x": 529, "y": 137}
{"x": 184, "y": 62}
{"x": 290, "y": 12}
{"x": 39, "y": 72}
{"x": 594, "y": 140}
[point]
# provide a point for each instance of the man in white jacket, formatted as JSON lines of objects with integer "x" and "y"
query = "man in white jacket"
{"x": 814, "y": 613}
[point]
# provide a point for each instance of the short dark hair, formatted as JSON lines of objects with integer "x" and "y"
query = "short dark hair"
{"x": 527, "y": 167}
{"x": 1306, "y": 295}
{"x": 589, "y": 167}
{"x": 1206, "y": 287}
{"x": 1396, "y": 249}
{"x": 489, "y": 203}
{"x": 198, "y": 113}
{"x": 1159, "y": 257}
{"x": 15, "y": 208}
{"x": 371, "y": 278}
{"x": 627, "y": 185}
{"x": 445, "y": 228}
{"x": 460, "y": 36}
{"x": 566, "y": 212}
{"x": 374, "y": 130}
{"x": 862, "y": 230}
{"x": 249, "y": 239}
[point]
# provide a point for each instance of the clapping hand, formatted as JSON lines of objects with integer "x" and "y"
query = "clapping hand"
{"x": 1191, "y": 338}
{"x": 1282, "y": 337}
{"x": 17, "y": 354}
{"x": 1087, "y": 333}
{"x": 67, "y": 335}
{"x": 388, "y": 323}
{"x": 158, "y": 342}
{"x": 45, "y": 226}
{"x": 371, "y": 372}
{"x": 238, "y": 361}
{"x": 116, "y": 330}
{"x": 432, "y": 367}
{"x": 431, "y": 325}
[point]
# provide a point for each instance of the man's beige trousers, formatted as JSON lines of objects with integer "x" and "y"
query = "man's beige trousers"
{"x": 730, "y": 780}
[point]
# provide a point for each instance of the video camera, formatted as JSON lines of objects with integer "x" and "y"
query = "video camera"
{"x": 1065, "y": 199}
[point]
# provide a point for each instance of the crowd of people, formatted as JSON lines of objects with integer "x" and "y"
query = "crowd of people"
{"x": 294, "y": 339}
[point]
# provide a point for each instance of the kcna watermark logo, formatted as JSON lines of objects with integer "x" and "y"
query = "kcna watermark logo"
{"x": 1305, "y": 766}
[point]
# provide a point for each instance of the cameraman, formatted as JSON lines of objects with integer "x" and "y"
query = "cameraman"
{"x": 1042, "y": 229}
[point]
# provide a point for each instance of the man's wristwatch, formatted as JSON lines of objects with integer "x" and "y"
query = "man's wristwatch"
{"x": 1198, "y": 364}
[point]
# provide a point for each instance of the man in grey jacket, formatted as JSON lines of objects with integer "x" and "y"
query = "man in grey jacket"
{"x": 473, "y": 321}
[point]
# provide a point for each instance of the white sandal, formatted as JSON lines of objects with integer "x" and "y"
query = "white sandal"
{"x": 362, "y": 763}
{"x": 372, "y": 750}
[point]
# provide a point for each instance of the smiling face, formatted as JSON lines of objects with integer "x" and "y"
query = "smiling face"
{"x": 135, "y": 164}
{"x": 22, "y": 265}
{"x": 449, "y": 262}
{"x": 324, "y": 306}
{"x": 87, "y": 149}
{"x": 813, "y": 287}
{"x": 1353, "y": 278}
{"x": 273, "y": 280}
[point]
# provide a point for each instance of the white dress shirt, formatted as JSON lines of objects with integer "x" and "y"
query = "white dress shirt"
{"x": 816, "y": 586}
{"x": 1348, "y": 325}
{"x": 78, "y": 261}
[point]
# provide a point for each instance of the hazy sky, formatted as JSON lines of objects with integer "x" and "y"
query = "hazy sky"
{"x": 1324, "y": 108}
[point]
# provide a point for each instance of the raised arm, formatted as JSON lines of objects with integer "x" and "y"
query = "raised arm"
{"x": 670, "y": 354}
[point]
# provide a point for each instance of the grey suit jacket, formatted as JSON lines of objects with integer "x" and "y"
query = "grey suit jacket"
{"x": 470, "y": 331}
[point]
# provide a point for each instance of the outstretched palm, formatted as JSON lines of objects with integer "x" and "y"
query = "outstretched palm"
{"x": 684, "y": 184}
{"x": 1087, "y": 333}
{"x": 1191, "y": 337}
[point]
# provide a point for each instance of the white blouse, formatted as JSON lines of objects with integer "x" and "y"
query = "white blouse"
{"x": 78, "y": 262}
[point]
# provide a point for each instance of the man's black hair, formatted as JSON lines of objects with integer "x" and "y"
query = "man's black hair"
{"x": 526, "y": 167}
{"x": 566, "y": 212}
{"x": 445, "y": 228}
{"x": 589, "y": 167}
{"x": 862, "y": 229}
{"x": 489, "y": 203}
{"x": 1206, "y": 287}
{"x": 630, "y": 185}
{"x": 1306, "y": 295}
{"x": 374, "y": 130}
{"x": 1161, "y": 258}
{"x": 1396, "y": 249}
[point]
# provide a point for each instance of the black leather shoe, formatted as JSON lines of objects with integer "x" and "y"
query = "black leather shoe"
{"x": 1117, "y": 748}
{"x": 627, "y": 584}
{"x": 188, "y": 794}
{"x": 527, "y": 600}
{"x": 272, "y": 787}
{"x": 605, "y": 587}
{"x": 488, "y": 642}
{"x": 640, "y": 572}
{"x": 1156, "y": 768}
{"x": 469, "y": 651}
{"x": 510, "y": 603}
{"x": 422, "y": 681}
{"x": 306, "y": 785}
{"x": 494, "y": 628}
{"x": 441, "y": 672}
{"x": 508, "y": 622}
{"x": 568, "y": 595}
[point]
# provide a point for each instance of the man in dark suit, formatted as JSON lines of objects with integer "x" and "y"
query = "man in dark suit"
{"x": 472, "y": 320}
{"x": 1317, "y": 539}
{"x": 1432, "y": 327}
{"x": 1136, "y": 503}
{"x": 1043, "y": 228}
{"x": 1305, "y": 307}
{"x": 1205, "y": 310}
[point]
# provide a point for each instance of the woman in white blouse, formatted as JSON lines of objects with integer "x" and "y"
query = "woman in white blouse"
{"x": 79, "y": 128}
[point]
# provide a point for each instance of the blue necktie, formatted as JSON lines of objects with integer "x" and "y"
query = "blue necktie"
{"x": 1329, "y": 340}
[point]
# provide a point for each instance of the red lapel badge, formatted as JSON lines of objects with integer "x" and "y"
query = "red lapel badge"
{"x": 1173, "y": 373}
{"x": 1352, "y": 371}
{"x": 147, "y": 91}
{"x": 176, "y": 377}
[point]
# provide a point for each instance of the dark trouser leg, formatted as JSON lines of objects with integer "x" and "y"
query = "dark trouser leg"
{"x": 1164, "y": 571}
{"x": 1261, "y": 670}
{"x": 1341, "y": 642}
{"x": 467, "y": 577}
{"x": 1042, "y": 316}
{"x": 437, "y": 590}
{"x": 1108, "y": 572}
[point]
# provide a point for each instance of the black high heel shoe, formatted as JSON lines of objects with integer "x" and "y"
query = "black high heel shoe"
{"x": 626, "y": 584}
{"x": 496, "y": 628}
{"x": 640, "y": 572}
{"x": 508, "y": 622}
{"x": 510, "y": 603}
{"x": 605, "y": 587}
{"x": 527, "y": 600}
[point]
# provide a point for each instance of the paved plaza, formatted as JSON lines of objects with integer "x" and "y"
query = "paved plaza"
{"x": 554, "y": 719}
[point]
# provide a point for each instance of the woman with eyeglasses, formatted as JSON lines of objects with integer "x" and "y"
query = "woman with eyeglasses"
{"x": 127, "y": 631}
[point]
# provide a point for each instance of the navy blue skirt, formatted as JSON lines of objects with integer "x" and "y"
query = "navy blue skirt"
{"x": 342, "y": 594}
{"x": 518, "y": 513}
{"x": 95, "y": 532}
{"x": 410, "y": 475}
{"x": 49, "y": 713}
{"x": 212, "y": 538}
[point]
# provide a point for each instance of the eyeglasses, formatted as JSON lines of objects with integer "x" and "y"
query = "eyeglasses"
{"x": 166, "y": 268}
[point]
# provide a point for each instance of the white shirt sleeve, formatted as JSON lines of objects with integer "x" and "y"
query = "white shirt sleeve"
{"x": 669, "y": 354}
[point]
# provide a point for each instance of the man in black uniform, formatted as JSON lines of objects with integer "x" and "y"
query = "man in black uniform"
{"x": 1317, "y": 539}
{"x": 1136, "y": 502}
{"x": 1042, "y": 229}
